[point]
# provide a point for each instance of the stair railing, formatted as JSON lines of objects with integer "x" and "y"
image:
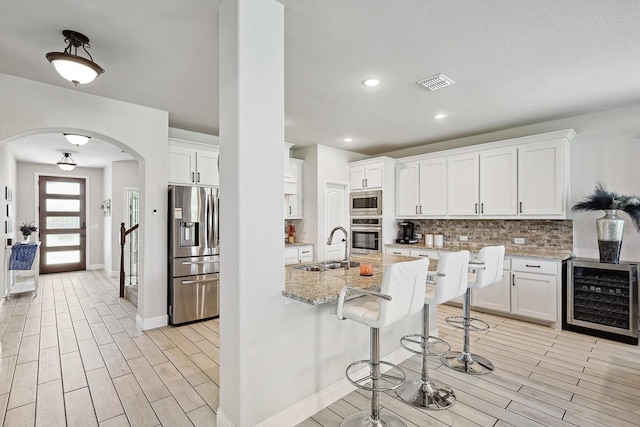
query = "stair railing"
{"x": 123, "y": 239}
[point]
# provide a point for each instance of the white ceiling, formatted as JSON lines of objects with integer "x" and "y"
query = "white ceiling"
{"x": 514, "y": 63}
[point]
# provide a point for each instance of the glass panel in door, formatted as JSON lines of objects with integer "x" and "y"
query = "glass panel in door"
{"x": 62, "y": 224}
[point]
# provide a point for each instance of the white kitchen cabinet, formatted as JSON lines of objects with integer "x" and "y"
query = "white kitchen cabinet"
{"x": 421, "y": 188}
{"x": 298, "y": 254}
{"x": 528, "y": 288}
{"x": 463, "y": 184}
{"x": 542, "y": 178}
{"x": 424, "y": 253}
{"x": 499, "y": 182}
{"x": 496, "y": 297}
{"x": 293, "y": 202}
{"x": 533, "y": 288}
{"x": 192, "y": 166}
{"x": 367, "y": 176}
{"x": 392, "y": 250}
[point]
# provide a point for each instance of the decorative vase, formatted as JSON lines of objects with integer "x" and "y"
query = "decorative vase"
{"x": 610, "y": 228}
{"x": 25, "y": 239}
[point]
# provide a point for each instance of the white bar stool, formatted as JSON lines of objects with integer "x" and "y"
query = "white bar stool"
{"x": 492, "y": 259}
{"x": 450, "y": 282}
{"x": 401, "y": 295}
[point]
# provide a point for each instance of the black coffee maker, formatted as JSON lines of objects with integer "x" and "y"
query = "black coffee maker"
{"x": 407, "y": 229}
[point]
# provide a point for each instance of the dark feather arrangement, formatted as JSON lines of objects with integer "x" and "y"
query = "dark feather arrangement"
{"x": 602, "y": 199}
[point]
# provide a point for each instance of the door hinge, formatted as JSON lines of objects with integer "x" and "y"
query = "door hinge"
{"x": 170, "y": 311}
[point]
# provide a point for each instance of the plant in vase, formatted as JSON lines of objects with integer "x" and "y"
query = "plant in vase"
{"x": 27, "y": 229}
{"x": 610, "y": 227}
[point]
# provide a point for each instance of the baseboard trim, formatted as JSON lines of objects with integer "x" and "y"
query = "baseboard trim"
{"x": 222, "y": 420}
{"x": 151, "y": 322}
{"x": 96, "y": 267}
{"x": 309, "y": 406}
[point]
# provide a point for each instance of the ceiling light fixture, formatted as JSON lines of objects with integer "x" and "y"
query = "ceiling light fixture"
{"x": 440, "y": 116}
{"x": 348, "y": 139}
{"x": 77, "y": 140}
{"x": 76, "y": 69}
{"x": 372, "y": 82}
{"x": 66, "y": 163}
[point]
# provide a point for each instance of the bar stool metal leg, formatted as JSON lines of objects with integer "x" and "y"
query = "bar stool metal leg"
{"x": 464, "y": 361}
{"x": 373, "y": 418}
{"x": 421, "y": 391}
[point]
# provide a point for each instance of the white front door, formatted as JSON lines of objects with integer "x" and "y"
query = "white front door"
{"x": 335, "y": 214}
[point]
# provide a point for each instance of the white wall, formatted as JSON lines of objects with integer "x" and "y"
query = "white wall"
{"x": 107, "y": 227}
{"x": 606, "y": 148}
{"x": 8, "y": 178}
{"x": 322, "y": 164}
{"x": 26, "y": 199}
{"x": 124, "y": 175}
{"x": 28, "y": 107}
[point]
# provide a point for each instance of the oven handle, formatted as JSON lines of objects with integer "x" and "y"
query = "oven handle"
{"x": 365, "y": 228}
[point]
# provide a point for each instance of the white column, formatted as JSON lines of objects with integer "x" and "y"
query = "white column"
{"x": 251, "y": 206}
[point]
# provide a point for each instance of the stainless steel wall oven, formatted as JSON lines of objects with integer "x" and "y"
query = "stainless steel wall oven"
{"x": 366, "y": 235}
{"x": 602, "y": 299}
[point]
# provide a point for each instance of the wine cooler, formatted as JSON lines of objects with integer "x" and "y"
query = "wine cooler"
{"x": 602, "y": 299}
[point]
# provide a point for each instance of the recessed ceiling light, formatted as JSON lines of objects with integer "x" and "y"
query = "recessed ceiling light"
{"x": 440, "y": 116}
{"x": 372, "y": 82}
{"x": 348, "y": 139}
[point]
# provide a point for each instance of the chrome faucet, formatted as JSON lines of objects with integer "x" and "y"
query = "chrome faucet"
{"x": 346, "y": 245}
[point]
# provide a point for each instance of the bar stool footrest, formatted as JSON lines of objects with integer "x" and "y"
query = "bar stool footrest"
{"x": 391, "y": 379}
{"x": 473, "y": 323}
{"x": 435, "y": 346}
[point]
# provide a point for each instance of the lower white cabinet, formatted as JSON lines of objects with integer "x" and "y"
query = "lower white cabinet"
{"x": 298, "y": 254}
{"x": 529, "y": 288}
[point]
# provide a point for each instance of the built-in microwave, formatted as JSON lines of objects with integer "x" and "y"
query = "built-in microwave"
{"x": 366, "y": 203}
{"x": 366, "y": 235}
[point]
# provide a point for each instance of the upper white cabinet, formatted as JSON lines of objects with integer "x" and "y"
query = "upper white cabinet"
{"x": 542, "y": 179}
{"x": 498, "y": 182}
{"x": 368, "y": 176}
{"x": 521, "y": 178}
{"x": 462, "y": 184}
{"x": 193, "y": 166}
{"x": 421, "y": 188}
{"x": 293, "y": 202}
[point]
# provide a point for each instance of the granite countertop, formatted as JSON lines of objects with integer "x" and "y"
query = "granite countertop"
{"x": 314, "y": 287}
{"x": 524, "y": 252}
{"x": 288, "y": 245}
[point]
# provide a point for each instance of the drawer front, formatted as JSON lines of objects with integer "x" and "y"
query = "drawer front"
{"x": 305, "y": 252}
{"x": 533, "y": 265}
{"x": 399, "y": 251}
{"x": 193, "y": 266}
{"x": 424, "y": 253}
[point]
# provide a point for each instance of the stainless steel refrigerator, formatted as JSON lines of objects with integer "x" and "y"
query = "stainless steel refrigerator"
{"x": 194, "y": 260}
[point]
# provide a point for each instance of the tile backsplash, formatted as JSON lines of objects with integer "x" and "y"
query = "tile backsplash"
{"x": 556, "y": 235}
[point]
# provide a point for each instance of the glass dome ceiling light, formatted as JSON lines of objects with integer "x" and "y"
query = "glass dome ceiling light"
{"x": 71, "y": 66}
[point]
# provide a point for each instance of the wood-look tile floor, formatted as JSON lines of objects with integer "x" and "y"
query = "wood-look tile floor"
{"x": 542, "y": 377}
{"x": 73, "y": 356}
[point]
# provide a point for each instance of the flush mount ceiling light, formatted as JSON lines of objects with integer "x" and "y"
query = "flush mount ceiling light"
{"x": 77, "y": 140}
{"x": 372, "y": 82}
{"x": 348, "y": 139}
{"x": 72, "y": 67}
{"x": 67, "y": 163}
{"x": 440, "y": 116}
{"x": 435, "y": 82}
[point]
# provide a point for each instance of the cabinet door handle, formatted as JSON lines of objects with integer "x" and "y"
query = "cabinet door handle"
{"x": 476, "y": 208}
{"x": 520, "y": 207}
{"x": 481, "y": 207}
{"x": 416, "y": 209}
{"x": 193, "y": 177}
{"x": 397, "y": 253}
{"x": 532, "y": 266}
{"x": 198, "y": 176}
{"x": 305, "y": 252}
{"x": 426, "y": 256}
{"x": 420, "y": 209}
{"x": 513, "y": 280}
{"x": 366, "y": 182}
{"x": 362, "y": 182}
{"x": 289, "y": 210}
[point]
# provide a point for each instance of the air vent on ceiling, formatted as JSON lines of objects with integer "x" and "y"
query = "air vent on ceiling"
{"x": 435, "y": 82}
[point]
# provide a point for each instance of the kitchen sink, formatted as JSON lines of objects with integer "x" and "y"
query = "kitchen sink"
{"x": 328, "y": 265}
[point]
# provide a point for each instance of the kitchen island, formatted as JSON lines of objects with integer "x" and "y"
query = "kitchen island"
{"x": 319, "y": 287}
